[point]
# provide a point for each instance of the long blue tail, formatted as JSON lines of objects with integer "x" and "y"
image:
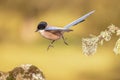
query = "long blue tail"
{"x": 79, "y": 20}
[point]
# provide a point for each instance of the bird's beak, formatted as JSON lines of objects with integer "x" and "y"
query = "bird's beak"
{"x": 37, "y": 30}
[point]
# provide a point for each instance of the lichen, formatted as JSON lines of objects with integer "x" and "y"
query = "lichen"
{"x": 23, "y": 72}
{"x": 89, "y": 45}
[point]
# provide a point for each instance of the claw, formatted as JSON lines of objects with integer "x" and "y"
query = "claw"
{"x": 50, "y": 45}
{"x": 64, "y": 40}
{"x": 66, "y": 43}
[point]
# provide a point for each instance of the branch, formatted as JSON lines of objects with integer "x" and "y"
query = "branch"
{"x": 89, "y": 45}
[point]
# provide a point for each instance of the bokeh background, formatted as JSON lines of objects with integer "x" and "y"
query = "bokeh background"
{"x": 19, "y": 44}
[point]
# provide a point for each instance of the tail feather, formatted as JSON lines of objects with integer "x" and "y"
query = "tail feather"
{"x": 79, "y": 20}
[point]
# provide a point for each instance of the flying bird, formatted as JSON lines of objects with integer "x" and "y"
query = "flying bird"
{"x": 54, "y": 33}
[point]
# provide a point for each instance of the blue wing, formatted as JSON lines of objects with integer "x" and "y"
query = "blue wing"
{"x": 81, "y": 19}
{"x": 55, "y": 29}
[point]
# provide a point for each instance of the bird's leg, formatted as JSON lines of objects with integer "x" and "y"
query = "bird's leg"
{"x": 64, "y": 40}
{"x": 50, "y": 45}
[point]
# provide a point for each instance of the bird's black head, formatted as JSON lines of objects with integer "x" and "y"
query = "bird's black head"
{"x": 41, "y": 26}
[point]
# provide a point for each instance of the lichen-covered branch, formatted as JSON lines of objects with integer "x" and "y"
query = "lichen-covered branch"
{"x": 89, "y": 45}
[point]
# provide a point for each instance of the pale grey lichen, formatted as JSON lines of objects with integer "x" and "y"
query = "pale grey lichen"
{"x": 106, "y": 35}
{"x": 26, "y": 67}
{"x": 23, "y": 72}
{"x": 3, "y": 75}
{"x": 117, "y": 47}
{"x": 118, "y": 33}
{"x": 37, "y": 77}
{"x": 112, "y": 28}
{"x": 89, "y": 45}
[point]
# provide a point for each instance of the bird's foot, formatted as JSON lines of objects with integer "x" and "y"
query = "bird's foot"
{"x": 66, "y": 43}
{"x": 49, "y": 47}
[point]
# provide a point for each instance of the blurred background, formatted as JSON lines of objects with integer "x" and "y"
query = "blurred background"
{"x": 19, "y": 44}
